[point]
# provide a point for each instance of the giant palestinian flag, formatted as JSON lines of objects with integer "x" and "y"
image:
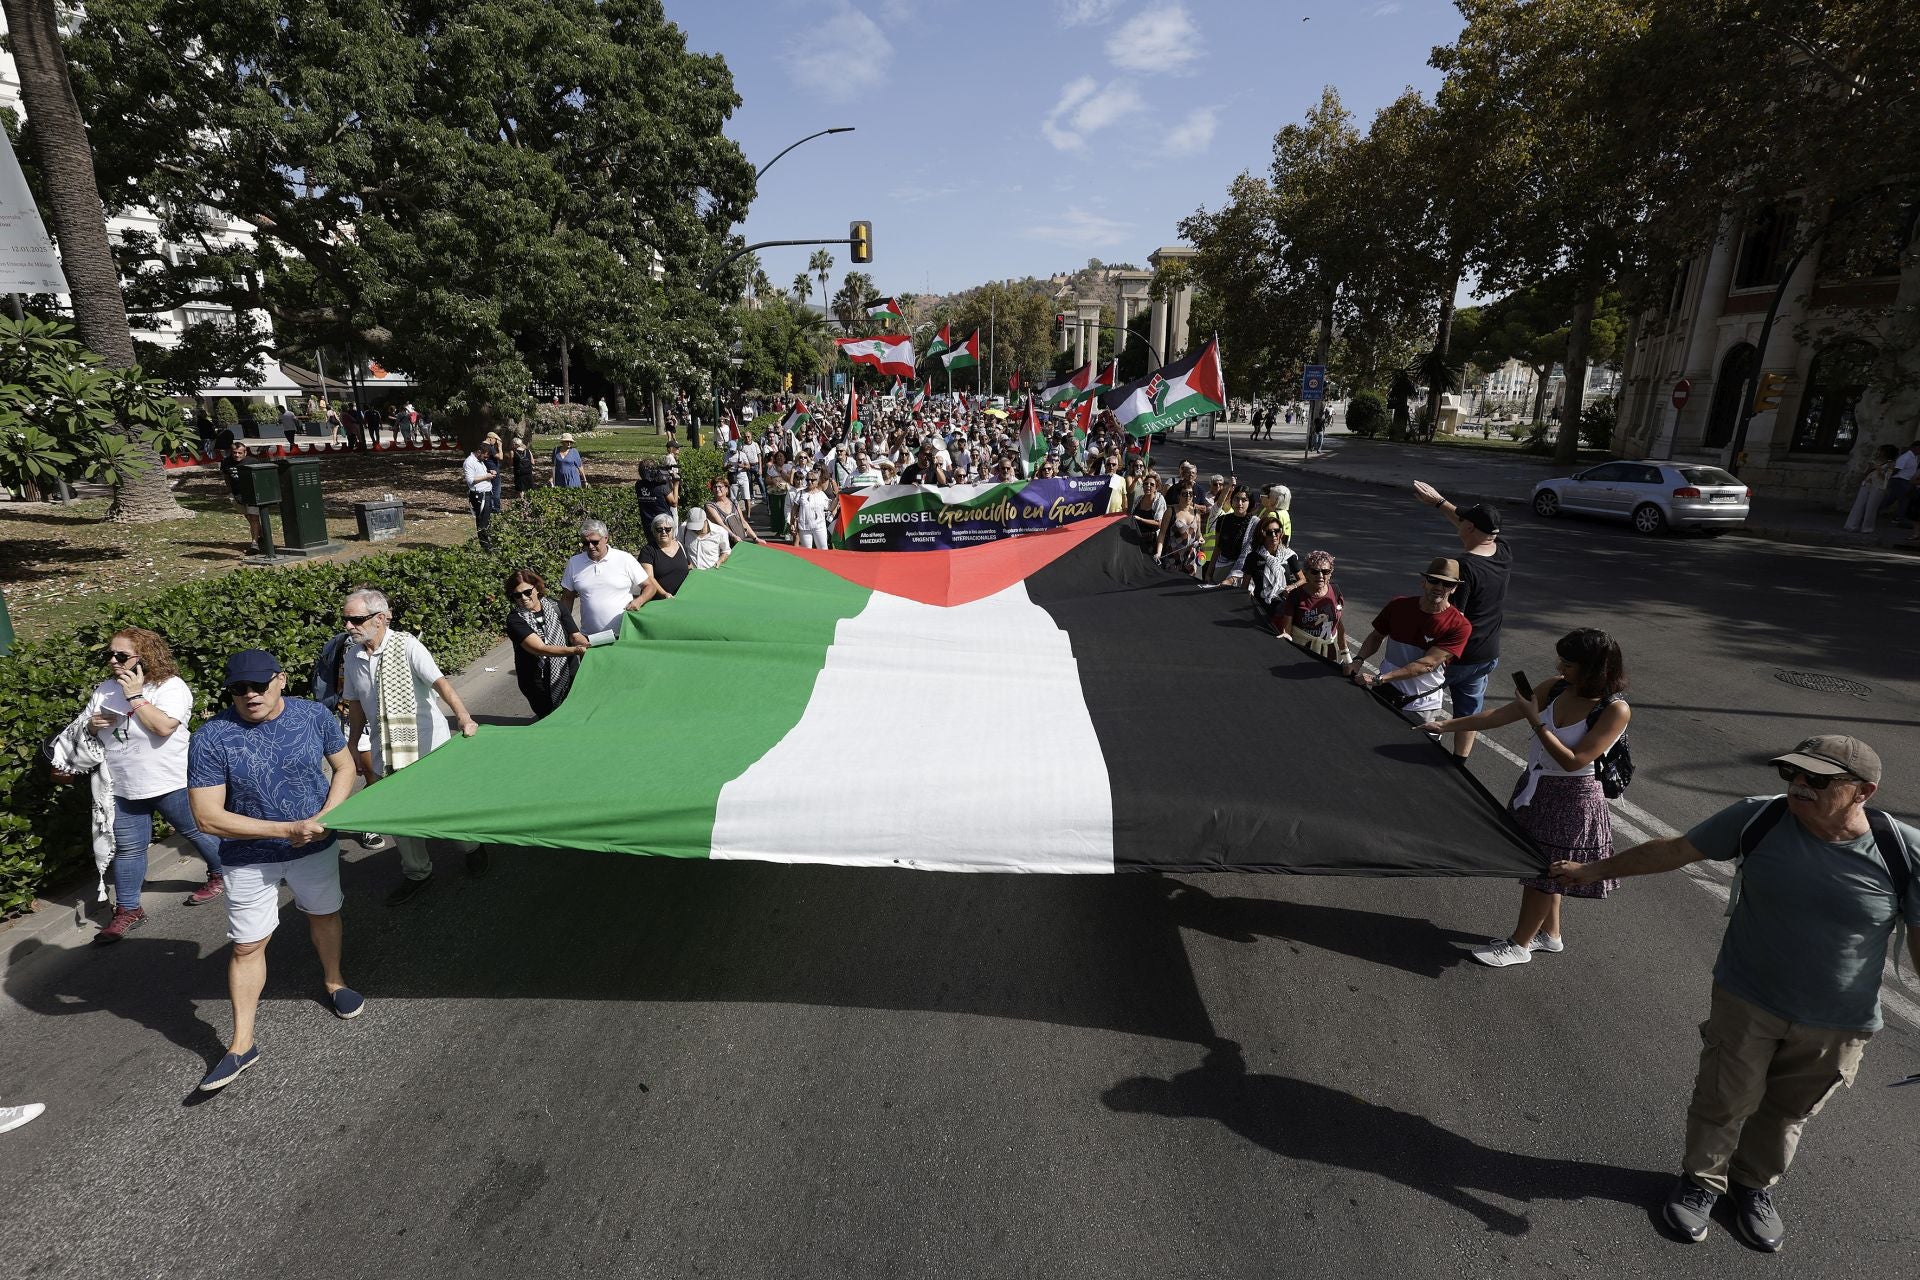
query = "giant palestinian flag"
{"x": 887, "y": 354}
{"x": 1057, "y": 662}
{"x": 1169, "y": 396}
{"x": 966, "y": 355}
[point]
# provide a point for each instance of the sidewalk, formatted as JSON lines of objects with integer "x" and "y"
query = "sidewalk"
{"x": 1491, "y": 477}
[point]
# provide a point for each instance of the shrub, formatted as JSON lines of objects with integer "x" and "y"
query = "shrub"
{"x": 1597, "y": 421}
{"x": 1366, "y": 413}
{"x": 224, "y": 414}
{"x": 552, "y": 419}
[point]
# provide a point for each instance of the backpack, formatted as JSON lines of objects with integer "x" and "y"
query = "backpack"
{"x": 1614, "y": 766}
{"x": 1886, "y": 838}
{"x": 329, "y": 672}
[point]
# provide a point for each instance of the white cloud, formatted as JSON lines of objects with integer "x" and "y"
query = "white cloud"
{"x": 1085, "y": 107}
{"x": 1159, "y": 40}
{"x": 1195, "y": 133}
{"x": 1085, "y": 13}
{"x": 1079, "y": 228}
{"x": 1386, "y": 10}
{"x": 842, "y": 57}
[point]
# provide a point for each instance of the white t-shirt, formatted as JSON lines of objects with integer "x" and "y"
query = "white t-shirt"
{"x": 605, "y": 587}
{"x": 813, "y": 511}
{"x": 362, "y": 685}
{"x": 144, "y": 765}
{"x": 1906, "y": 464}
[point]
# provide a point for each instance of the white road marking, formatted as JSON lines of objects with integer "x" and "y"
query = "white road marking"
{"x": 1634, "y": 824}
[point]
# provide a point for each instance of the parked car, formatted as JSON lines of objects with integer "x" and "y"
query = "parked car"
{"x": 1653, "y": 496}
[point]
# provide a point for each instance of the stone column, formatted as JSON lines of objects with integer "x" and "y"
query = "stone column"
{"x": 1182, "y": 305}
{"x": 1090, "y": 328}
{"x": 1157, "y": 330}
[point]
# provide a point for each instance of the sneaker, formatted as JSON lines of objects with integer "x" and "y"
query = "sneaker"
{"x": 1546, "y": 942}
{"x": 124, "y": 922}
{"x": 228, "y": 1069}
{"x": 372, "y": 843}
{"x": 408, "y": 890}
{"x": 1690, "y": 1208}
{"x": 478, "y": 860}
{"x": 1758, "y": 1219}
{"x": 14, "y": 1117}
{"x": 213, "y": 888}
{"x": 347, "y": 1003}
{"x": 1501, "y": 952}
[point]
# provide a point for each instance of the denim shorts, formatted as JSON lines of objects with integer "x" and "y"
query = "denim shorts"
{"x": 1467, "y": 685}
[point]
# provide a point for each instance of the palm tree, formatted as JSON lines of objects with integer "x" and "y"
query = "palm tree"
{"x": 73, "y": 196}
{"x": 1400, "y": 394}
{"x": 802, "y": 288}
{"x": 820, "y": 264}
{"x": 1442, "y": 377}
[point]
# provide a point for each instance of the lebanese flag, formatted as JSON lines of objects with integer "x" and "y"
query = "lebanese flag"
{"x": 1069, "y": 388}
{"x": 887, "y": 354}
{"x": 941, "y": 343}
{"x": 966, "y": 355}
{"x": 1169, "y": 396}
{"x": 886, "y": 310}
{"x": 797, "y": 663}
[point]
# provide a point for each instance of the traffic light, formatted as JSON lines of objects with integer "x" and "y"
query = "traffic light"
{"x": 786, "y": 382}
{"x": 1766, "y": 396}
{"x": 860, "y": 236}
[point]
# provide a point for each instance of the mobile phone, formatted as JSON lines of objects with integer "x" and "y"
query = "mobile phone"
{"x": 1520, "y": 683}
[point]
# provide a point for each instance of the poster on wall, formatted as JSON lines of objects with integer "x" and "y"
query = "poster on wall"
{"x": 911, "y": 517}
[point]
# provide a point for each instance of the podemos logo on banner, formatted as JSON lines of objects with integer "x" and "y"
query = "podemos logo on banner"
{"x": 923, "y": 518}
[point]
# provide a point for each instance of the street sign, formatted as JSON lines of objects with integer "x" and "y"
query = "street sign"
{"x": 1313, "y": 382}
{"x": 1681, "y": 390}
{"x": 839, "y": 379}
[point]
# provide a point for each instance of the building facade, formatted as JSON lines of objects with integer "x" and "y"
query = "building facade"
{"x": 1838, "y": 321}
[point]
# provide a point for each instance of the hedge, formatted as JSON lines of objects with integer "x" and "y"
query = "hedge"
{"x": 450, "y": 597}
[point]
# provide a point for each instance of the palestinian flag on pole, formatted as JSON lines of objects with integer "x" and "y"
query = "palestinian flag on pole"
{"x": 796, "y": 662}
{"x": 1108, "y": 379}
{"x": 1170, "y": 396}
{"x": 887, "y": 354}
{"x": 966, "y": 355}
{"x": 1070, "y": 388}
{"x": 941, "y": 343}
{"x": 853, "y": 425}
{"x": 1080, "y": 418}
{"x": 1033, "y": 441}
{"x": 887, "y": 311}
{"x": 798, "y": 418}
{"x": 899, "y": 389}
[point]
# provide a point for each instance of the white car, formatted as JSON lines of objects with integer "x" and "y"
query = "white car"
{"x": 1653, "y": 496}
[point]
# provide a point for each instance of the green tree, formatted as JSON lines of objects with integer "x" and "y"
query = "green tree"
{"x": 66, "y": 168}
{"x": 454, "y": 188}
{"x": 850, "y": 303}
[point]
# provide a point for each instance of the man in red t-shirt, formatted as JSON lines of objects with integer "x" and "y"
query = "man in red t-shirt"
{"x": 1422, "y": 634}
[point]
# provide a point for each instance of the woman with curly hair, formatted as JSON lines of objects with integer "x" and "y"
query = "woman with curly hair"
{"x": 1310, "y": 615}
{"x": 139, "y": 716}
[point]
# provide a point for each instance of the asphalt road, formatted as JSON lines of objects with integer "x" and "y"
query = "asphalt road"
{"x": 585, "y": 1064}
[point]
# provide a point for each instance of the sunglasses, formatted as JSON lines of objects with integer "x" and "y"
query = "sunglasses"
{"x": 357, "y": 619}
{"x": 1272, "y": 532}
{"x": 593, "y": 542}
{"x": 115, "y": 655}
{"x": 1432, "y": 581}
{"x": 1818, "y": 781}
{"x": 239, "y": 687}
{"x": 1320, "y": 573}
{"x": 526, "y": 593}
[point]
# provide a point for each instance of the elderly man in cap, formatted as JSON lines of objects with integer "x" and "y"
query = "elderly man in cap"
{"x": 1486, "y": 565}
{"x": 1822, "y": 886}
{"x": 1422, "y": 634}
{"x": 261, "y": 775}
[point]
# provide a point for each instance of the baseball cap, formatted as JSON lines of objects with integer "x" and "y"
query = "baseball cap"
{"x": 1444, "y": 569}
{"x": 258, "y": 664}
{"x": 696, "y": 519}
{"x": 1832, "y": 754}
{"x": 1480, "y": 516}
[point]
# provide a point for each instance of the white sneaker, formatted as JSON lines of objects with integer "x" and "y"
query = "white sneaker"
{"x": 14, "y": 1117}
{"x": 1544, "y": 941}
{"x": 1501, "y": 952}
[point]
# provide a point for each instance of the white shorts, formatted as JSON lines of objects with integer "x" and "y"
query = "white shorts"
{"x": 253, "y": 891}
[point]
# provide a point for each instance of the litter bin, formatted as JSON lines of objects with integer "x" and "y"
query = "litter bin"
{"x": 380, "y": 521}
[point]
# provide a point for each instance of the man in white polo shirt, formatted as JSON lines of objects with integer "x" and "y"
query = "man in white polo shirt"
{"x": 602, "y": 582}
{"x": 480, "y": 470}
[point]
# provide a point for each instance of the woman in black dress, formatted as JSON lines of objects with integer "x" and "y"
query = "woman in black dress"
{"x": 665, "y": 556}
{"x": 547, "y": 643}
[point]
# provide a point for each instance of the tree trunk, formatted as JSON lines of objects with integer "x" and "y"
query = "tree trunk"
{"x": 566, "y": 373}
{"x": 1442, "y": 340}
{"x": 1322, "y": 347}
{"x": 619, "y": 403}
{"x": 79, "y": 224}
{"x": 1541, "y": 377}
{"x": 1579, "y": 339}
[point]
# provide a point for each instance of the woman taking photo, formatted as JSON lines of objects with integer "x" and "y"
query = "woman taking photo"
{"x": 1558, "y": 800}
{"x": 547, "y": 643}
{"x": 139, "y": 716}
{"x": 1179, "y": 548}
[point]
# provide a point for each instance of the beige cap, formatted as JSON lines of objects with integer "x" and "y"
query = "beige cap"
{"x": 1444, "y": 569}
{"x": 1831, "y": 754}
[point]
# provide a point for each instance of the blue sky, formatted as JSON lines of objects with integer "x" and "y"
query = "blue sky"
{"x": 999, "y": 139}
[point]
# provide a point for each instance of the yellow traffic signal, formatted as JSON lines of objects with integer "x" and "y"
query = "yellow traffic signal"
{"x": 786, "y": 382}
{"x": 1766, "y": 396}
{"x": 860, "y": 236}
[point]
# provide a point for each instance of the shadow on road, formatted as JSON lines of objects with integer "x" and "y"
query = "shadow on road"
{"x": 1412, "y": 945}
{"x": 1301, "y": 1120}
